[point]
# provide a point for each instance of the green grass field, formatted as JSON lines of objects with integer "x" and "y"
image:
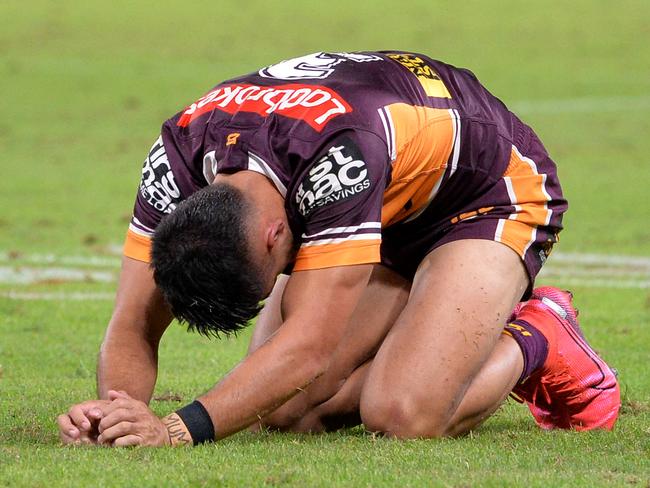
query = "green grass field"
{"x": 85, "y": 87}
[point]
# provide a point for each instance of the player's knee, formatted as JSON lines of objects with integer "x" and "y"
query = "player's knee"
{"x": 403, "y": 416}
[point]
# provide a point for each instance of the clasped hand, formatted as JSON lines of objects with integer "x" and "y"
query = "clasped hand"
{"x": 120, "y": 421}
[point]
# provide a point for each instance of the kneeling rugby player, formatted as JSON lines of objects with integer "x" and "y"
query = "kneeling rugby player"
{"x": 411, "y": 211}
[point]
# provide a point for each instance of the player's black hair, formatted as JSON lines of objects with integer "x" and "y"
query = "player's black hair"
{"x": 201, "y": 262}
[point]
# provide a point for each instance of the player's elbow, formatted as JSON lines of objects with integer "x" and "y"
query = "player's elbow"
{"x": 306, "y": 355}
{"x": 315, "y": 360}
{"x": 311, "y": 358}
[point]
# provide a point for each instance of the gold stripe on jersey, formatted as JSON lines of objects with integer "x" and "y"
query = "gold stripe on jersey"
{"x": 137, "y": 246}
{"x": 363, "y": 251}
{"x": 428, "y": 78}
{"x": 527, "y": 190}
{"x": 424, "y": 139}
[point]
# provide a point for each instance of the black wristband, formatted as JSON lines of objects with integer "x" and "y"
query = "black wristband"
{"x": 198, "y": 422}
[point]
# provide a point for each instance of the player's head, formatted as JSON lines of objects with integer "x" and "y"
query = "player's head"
{"x": 207, "y": 263}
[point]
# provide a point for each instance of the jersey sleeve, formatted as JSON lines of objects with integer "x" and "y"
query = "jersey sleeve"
{"x": 158, "y": 194}
{"x": 340, "y": 199}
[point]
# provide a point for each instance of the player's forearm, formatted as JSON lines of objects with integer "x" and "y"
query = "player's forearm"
{"x": 266, "y": 379}
{"x": 127, "y": 364}
{"x": 128, "y": 359}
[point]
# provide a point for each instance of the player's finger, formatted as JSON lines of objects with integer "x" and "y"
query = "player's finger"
{"x": 94, "y": 414}
{"x": 120, "y": 401}
{"x": 120, "y": 429}
{"x": 65, "y": 438}
{"x": 115, "y": 394}
{"x": 83, "y": 439}
{"x": 118, "y": 404}
{"x": 127, "y": 440}
{"x": 78, "y": 417}
{"x": 67, "y": 429}
{"x": 115, "y": 417}
{"x": 67, "y": 432}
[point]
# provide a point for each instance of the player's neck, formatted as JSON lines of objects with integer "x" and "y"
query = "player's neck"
{"x": 257, "y": 187}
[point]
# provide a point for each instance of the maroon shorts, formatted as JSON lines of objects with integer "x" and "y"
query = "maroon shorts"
{"x": 521, "y": 208}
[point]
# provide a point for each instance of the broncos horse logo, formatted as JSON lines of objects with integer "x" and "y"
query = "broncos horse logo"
{"x": 316, "y": 66}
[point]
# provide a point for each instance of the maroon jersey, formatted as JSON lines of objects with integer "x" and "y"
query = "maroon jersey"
{"x": 357, "y": 144}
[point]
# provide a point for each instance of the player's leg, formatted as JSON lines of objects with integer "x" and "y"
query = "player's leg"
{"x": 565, "y": 382}
{"x": 489, "y": 388}
{"x": 444, "y": 340}
{"x": 333, "y": 399}
{"x": 483, "y": 397}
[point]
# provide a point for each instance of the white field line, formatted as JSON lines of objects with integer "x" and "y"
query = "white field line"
{"x": 52, "y": 259}
{"x": 639, "y": 262}
{"x": 605, "y": 283}
{"x": 598, "y": 270}
{"x": 25, "y": 276}
{"x": 566, "y": 269}
{"x": 586, "y": 273}
{"x": 593, "y": 104}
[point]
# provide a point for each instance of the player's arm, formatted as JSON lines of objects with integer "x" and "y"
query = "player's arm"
{"x": 129, "y": 353}
{"x": 317, "y": 305}
{"x": 128, "y": 358}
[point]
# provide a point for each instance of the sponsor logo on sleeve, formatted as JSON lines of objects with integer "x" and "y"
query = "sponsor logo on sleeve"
{"x": 315, "y": 105}
{"x": 428, "y": 78}
{"x": 316, "y": 66}
{"x": 158, "y": 186}
{"x": 340, "y": 174}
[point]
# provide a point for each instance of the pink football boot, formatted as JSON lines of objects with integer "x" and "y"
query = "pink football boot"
{"x": 575, "y": 388}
